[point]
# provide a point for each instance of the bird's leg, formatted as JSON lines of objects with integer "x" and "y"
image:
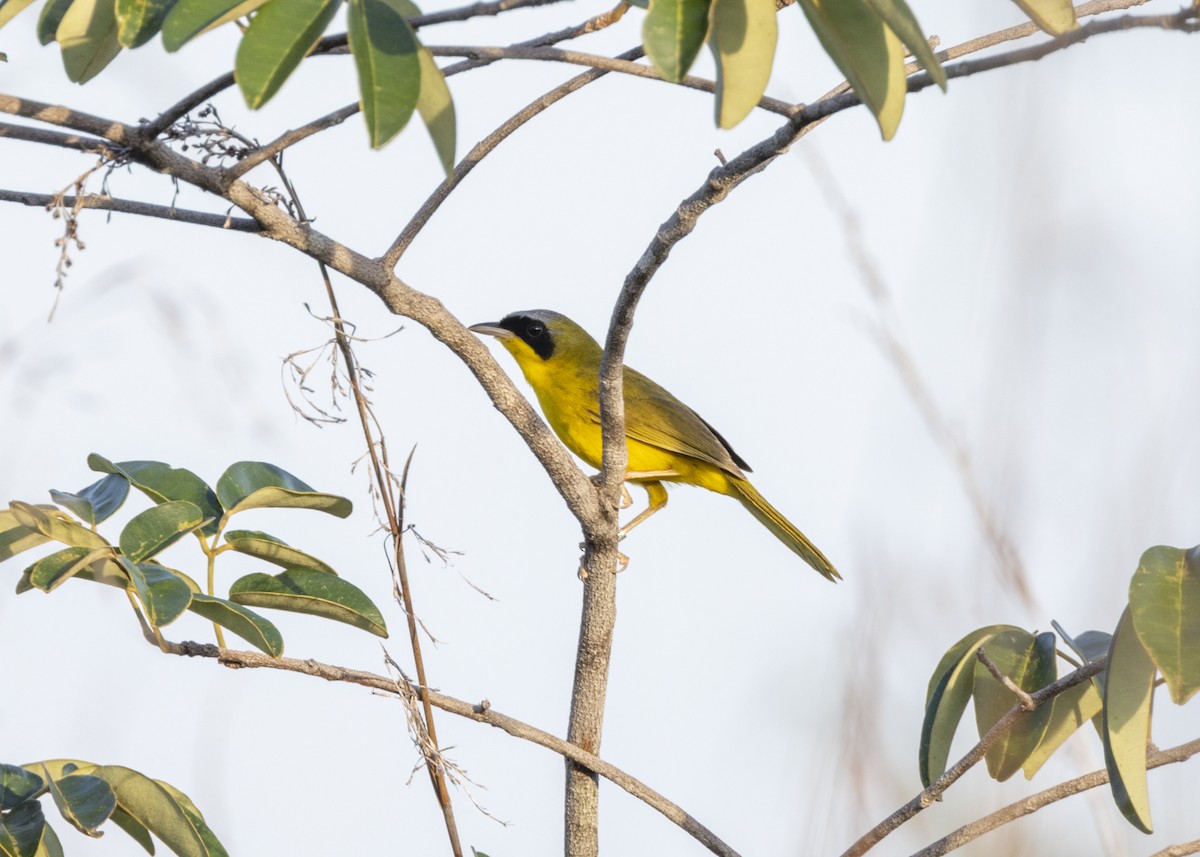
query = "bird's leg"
{"x": 626, "y": 498}
{"x": 658, "y": 499}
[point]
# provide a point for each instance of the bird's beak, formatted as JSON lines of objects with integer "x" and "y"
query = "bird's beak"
{"x": 492, "y": 329}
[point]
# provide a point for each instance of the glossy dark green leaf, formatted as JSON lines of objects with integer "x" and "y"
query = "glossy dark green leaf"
{"x": 163, "y": 593}
{"x": 9, "y": 9}
{"x": 152, "y": 807}
{"x": 279, "y": 36}
{"x": 192, "y": 18}
{"x": 1054, "y": 16}
{"x": 158, "y": 528}
{"x": 98, "y": 501}
{"x": 138, "y": 21}
{"x": 389, "y": 70}
{"x": 163, "y": 483}
{"x": 742, "y": 35}
{"x": 273, "y": 550}
{"x": 866, "y": 51}
{"x": 51, "y": 17}
{"x": 1090, "y": 645}
{"x": 196, "y": 819}
{"x": 901, "y": 21}
{"x": 17, "y": 785}
{"x": 247, "y": 624}
{"x": 55, "y": 525}
{"x": 1164, "y": 600}
{"x": 50, "y": 846}
{"x": 256, "y": 485}
{"x": 84, "y": 801}
{"x": 316, "y": 593}
{"x": 946, "y": 699}
{"x": 1128, "y": 698}
{"x": 434, "y": 102}
{"x": 58, "y": 768}
{"x": 87, "y": 35}
{"x": 133, "y": 829}
{"x": 673, "y": 34}
{"x": 1030, "y": 662}
{"x": 50, "y": 572}
{"x": 1068, "y": 711}
{"x": 21, "y": 830}
{"x": 15, "y": 538}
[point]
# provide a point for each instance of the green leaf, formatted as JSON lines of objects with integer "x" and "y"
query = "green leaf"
{"x": 901, "y": 21}
{"x": 163, "y": 483}
{"x": 946, "y": 699}
{"x": 138, "y": 21}
{"x": 163, "y": 593}
{"x": 51, "y": 17}
{"x": 257, "y": 485}
{"x": 196, "y": 818}
{"x": 50, "y": 572}
{"x": 9, "y": 9}
{"x": 21, "y": 830}
{"x": 58, "y": 768}
{"x": 434, "y": 102}
{"x": 134, "y": 829}
{"x": 1029, "y": 662}
{"x": 1054, "y": 16}
{"x": 98, "y": 501}
{"x": 1164, "y": 600}
{"x": 85, "y": 801}
{"x": 742, "y": 36}
{"x": 158, "y": 528}
{"x": 152, "y": 807}
{"x": 15, "y": 538}
{"x": 247, "y": 624}
{"x": 273, "y": 550}
{"x": 55, "y": 525}
{"x": 1089, "y": 646}
{"x": 87, "y": 35}
{"x": 50, "y": 846}
{"x": 304, "y": 591}
{"x": 267, "y": 547}
{"x": 279, "y": 36}
{"x": 1068, "y": 711}
{"x": 866, "y": 50}
{"x": 1128, "y": 698}
{"x": 389, "y": 70}
{"x": 17, "y": 785}
{"x": 192, "y": 18}
{"x": 673, "y": 34}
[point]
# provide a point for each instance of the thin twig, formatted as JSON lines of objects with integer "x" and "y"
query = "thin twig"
{"x": 290, "y": 138}
{"x": 927, "y": 797}
{"x": 475, "y": 10}
{"x": 1023, "y": 697}
{"x": 481, "y": 150}
{"x": 55, "y": 138}
{"x": 128, "y": 206}
{"x": 480, "y": 713}
{"x": 1031, "y": 804}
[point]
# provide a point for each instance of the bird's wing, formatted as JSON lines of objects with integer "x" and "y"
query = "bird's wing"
{"x": 653, "y": 416}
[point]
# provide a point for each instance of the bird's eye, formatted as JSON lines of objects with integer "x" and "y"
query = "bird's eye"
{"x": 535, "y": 329}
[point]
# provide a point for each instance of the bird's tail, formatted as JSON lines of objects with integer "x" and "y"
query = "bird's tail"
{"x": 783, "y": 529}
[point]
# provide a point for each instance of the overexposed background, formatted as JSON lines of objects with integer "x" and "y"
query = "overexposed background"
{"x": 1036, "y": 230}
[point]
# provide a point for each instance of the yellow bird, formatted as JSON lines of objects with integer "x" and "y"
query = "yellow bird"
{"x": 667, "y": 441}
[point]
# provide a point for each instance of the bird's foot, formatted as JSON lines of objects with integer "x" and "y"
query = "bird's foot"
{"x": 622, "y": 563}
{"x": 626, "y": 499}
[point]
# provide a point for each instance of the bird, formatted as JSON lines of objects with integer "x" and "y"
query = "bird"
{"x": 666, "y": 440}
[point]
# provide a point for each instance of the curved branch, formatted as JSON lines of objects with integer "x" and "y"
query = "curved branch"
{"x": 128, "y": 206}
{"x": 480, "y": 713}
{"x": 475, "y": 10}
{"x": 481, "y": 150}
{"x": 1033, "y": 803}
{"x": 189, "y": 102}
{"x": 290, "y": 138}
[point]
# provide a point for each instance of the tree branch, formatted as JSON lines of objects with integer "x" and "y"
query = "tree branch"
{"x": 291, "y": 138}
{"x": 480, "y": 713}
{"x": 1031, "y": 804}
{"x": 126, "y": 206}
{"x": 54, "y": 138}
{"x": 926, "y": 798}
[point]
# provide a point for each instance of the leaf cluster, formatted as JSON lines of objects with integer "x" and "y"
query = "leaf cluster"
{"x": 185, "y": 505}
{"x": 88, "y": 795}
{"x": 1158, "y": 634}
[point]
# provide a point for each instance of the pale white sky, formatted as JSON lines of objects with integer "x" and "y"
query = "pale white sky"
{"x": 1036, "y": 230}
